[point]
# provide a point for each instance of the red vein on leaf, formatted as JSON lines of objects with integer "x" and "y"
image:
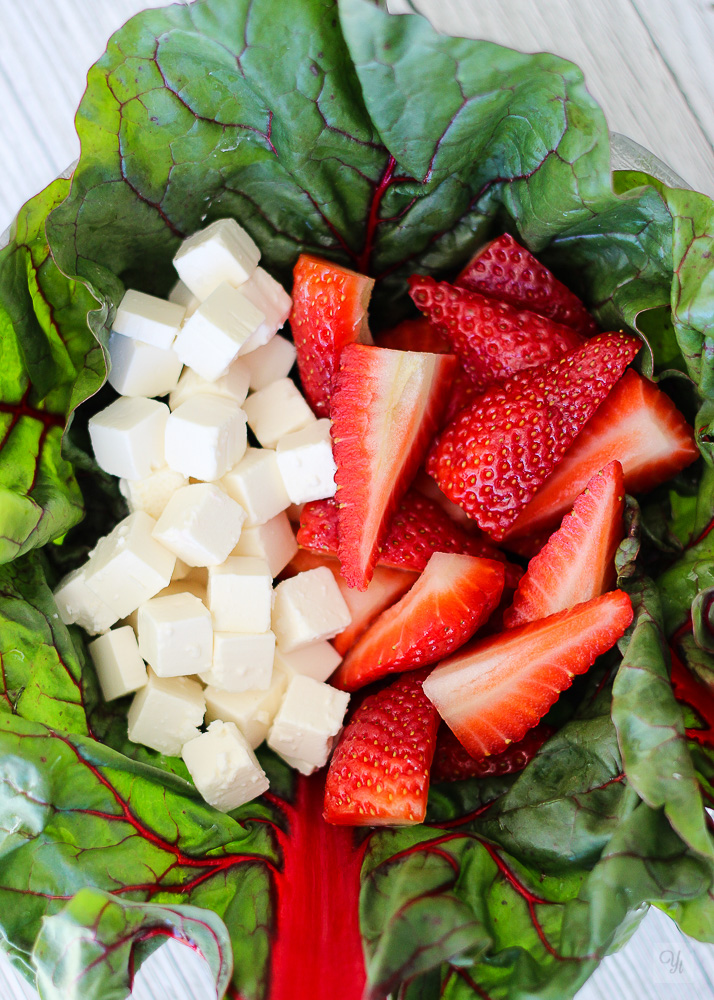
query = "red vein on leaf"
{"x": 694, "y": 695}
{"x": 385, "y": 182}
{"x": 463, "y": 974}
{"x": 462, "y": 820}
{"x": 23, "y": 409}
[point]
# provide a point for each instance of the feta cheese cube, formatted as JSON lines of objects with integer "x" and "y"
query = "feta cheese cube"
{"x": 307, "y": 723}
{"x": 277, "y": 410}
{"x": 224, "y": 768}
{"x": 210, "y": 340}
{"x": 77, "y": 604}
{"x": 183, "y": 296}
{"x": 205, "y": 437}
{"x": 116, "y": 658}
{"x": 188, "y": 585}
{"x": 306, "y": 463}
{"x": 242, "y": 661}
{"x": 251, "y": 711}
{"x": 223, "y": 251}
{"x": 181, "y": 571}
{"x": 166, "y": 713}
{"x": 256, "y": 484}
{"x": 270, "y": 363}
{"x": 270, "y": 297}
{"x": 273, "y": 541}
{"x": 146, "y": 318}
{"x": 308, "y": 608}
{"x": 233, "y": 385}
{"x": 319, "y": 660}
{"x": 152, "y": 493}
{"x": 176, "y": 635}
{"x": 128, "y": 436}
{"x": 138, "y": 369}
{"x": 200, "y": 524}
{"x": 240, "y": 595}
{"x": 128, "y": 566}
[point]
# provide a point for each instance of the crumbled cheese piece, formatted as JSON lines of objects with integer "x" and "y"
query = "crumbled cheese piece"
{"x": 120, "y": 668}
{"x": 233, "y": 385}
{"x": 240, "y": 595}
{"x": 270, "y": 363}
{"x": 223, "y": 251}
{"x": 224, "y": 767}
{"x": 306, "y": 463}
{"x": 79, "y": 605}
{"x": 183, "y": 296}
{"x": 242, "y": 661}
{"x": 138, "y": 369}
{"x": 308, "y": 608}
{"x": 200, "y": 524}
{"x": 166, "y": 713}
{"x": 152, "y": 493}
{"x": 307, "y": 723}
{"x": 256, "y": 484}
{"x": 277, "y": 410}
{"x": 205, "y": 437}
{"x": 146, "y": 318}
{"x": 270, "y": 297}
{"x": 128, "y": 436}
{"x": 319, "y": 660}
{"x": 176, "y": 635}
{"x": 210, "y": 340}
{"x": 252, "y": 711}
{"x": 273, "y": 541}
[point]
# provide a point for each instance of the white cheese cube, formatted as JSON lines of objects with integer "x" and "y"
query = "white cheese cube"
{"x": 277, "y": 410}
{"x": 152, "y": 493}
{"x": 166, "y": 713}
{"x": 307, "y": 723}
{"x": 256, "y": 484}
{"x": 205, "y": 437}
{"x": 188, "y": 585}
{"x": 306, "y": 463}
{"x": 270, "y": 363}
{"x": 223, "y": 251}
{"x": 242, "y": 661}
{"x": 181, "y": 571}
{"x": 183, "y": 296}
{"x": 77, "y": 604}
{"x": 233, "y": 385}
{"x": 128, "y": 436}
{"x": 224, "y": 768}
{"x": 144, "y": 317}
{"x": 138, "y": 369}
{"x": 128, "y": 566}
{"x": 252, "y": 711}
{"x": 319, "y": 660}
{"x": 176, "y": 635}
{"x": 120, "y": 668}
{"x": 273, "y": 541}
{"x": 200, "y": 524}
{"x": 270, "y": 297}
{"x": 308, "y": 608}
{"x": 240, "y": 595}
{"x": 210, "y": 340}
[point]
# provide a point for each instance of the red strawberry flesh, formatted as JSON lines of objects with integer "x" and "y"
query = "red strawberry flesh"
{"x": 453, "y": 762}
{"x": 414, "y": 335}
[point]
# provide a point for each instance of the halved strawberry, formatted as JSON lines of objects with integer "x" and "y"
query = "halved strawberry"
{"x": 577, "y": 562}
{"x": 495, "y": 690}
{"x": 414, "y": 335}
{"x": 491, "y": 339}
{"x": 494, "y": 456}
{"x": 638, "y": 425}
{"x": 453, "y": 762}
{"x": 379, "y": 773}
{"x": 329, "y": 311}
{"x": 507, "y": 271}
{"x": 454, "y": 596}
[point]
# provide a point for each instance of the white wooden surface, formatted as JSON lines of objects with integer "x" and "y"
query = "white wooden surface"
{"x": 648, "y": 62}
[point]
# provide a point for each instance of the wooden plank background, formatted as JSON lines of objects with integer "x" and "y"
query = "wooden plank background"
{"x": 649, "y": 64}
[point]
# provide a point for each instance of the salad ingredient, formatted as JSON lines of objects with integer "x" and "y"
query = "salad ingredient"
{"x": 319, "y": 660}
{"x": 205, "y": 437}
{"x": 270, "y": 363}
{"x": 491, "y": 339}
{"x": 270, "y": 298}
{"x": 379, "y": 772}
{"x": 329, "y": 311}
{"x": 166, "y": 713}
{"x": 128, "y": 437}
{"x": 495, "y": 690}
{"x": 223, "y": 766}
{"x": 386, "y": 406}
{"x": 222, "y": 252}
{"x": 452, "y": 598}
{"x": 453, "y": 762}
{"x": 578, "y": 561}
{"x": 149, "y": 319}
{"x": 306, "y": 463}
{"x": 232, "y": 385}
{"x": 495, "y": 454}
{"x": 222, "y": 327}
{"x": 138, "y": 369}
{"x": 414, "y": 335}
{"x": 507, "y": 271}
{"x": 273, "y": 541}
{"x": 252, "y": 711}
{"x": 306, "y": 724}
{"x": 241, "y": 661}
{"x": 308, "y": 608}
{"x": 77, "y": 604}
{"x": 256, "y": 484}
{"x": 175, "y": 635}
{"x": 182, "y": 295}
{"x": 200, "y": 524}
{"x": 117, "y": 660}
{"x": 276, "y": 410}
{"x": 240, "y": 595}
{"x": 153, "y": 492}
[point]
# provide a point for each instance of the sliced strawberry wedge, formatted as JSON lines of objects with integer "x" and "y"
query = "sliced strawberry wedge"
{"x": 495, "y": 690}
{"x": 379, "y": 773}
{"x": 414, "y": 335}
{"x": 637, "y": 424}
{"x": 507, "y": 271}
{"x": 491, "y": 339}
{"x": 453, "y": 762}
{"x": 495, "y": 454}
{"x": 454, "y": 596}
{"x": 329, "y": 311}
{"x": 577, "y": 562}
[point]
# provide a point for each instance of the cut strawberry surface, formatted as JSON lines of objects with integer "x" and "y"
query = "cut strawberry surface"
{"x": 578, "y": 561}
{"x": 495, "y": 690}
{"x": 329, "y": 311}
{"x": 453, "y": 597}
{"x": 453, "y": 762}
{"x": 495, "y": 455}
{"x": 491, "y": 339}
{"x": 379, "y": 773}
{"x": 507, "y": 271}
{"x": 414, "y": 335}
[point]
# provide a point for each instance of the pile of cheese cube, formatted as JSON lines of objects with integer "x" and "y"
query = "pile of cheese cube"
{"x": 181, "y": 592}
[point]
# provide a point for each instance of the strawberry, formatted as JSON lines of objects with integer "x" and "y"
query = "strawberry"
{"x": 637, "y": 424}
{"x": 414, "y": 335}
{"x": 577, "y": 563}
{"x": 329, "y": 311}
{"x": 454, "y": 596}
{"x": 452, "y": 762}
{"x": 506, "y": 271}
{"x": 491, "y": 339}
{"x": 493, "y": 457}
{"x": 379, "y": 773}
{"x": 495, "y": 690}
